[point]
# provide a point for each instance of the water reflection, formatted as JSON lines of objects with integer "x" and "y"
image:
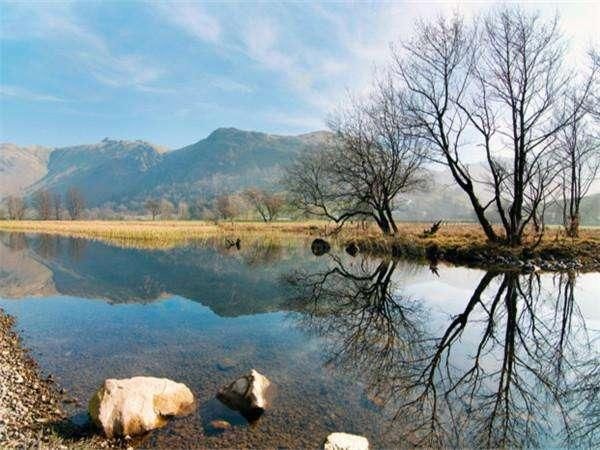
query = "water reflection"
{"x": 384, "y": 348}
{"x": 230, "y": 281}
{"x": 516, "y": 367}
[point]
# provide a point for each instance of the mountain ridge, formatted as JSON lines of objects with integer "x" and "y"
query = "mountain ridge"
{"x": 122, "y": 174}
{"x": 126, "y": 171}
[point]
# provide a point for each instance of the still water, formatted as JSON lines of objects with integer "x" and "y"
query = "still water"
{"x": 396, "y": 351}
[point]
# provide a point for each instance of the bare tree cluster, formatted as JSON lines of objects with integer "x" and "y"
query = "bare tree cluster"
{"x": 369, "y": 162}
{"x": 495, "y": 88}
{"x": 57, "y": 205}
{"x": 577, "y": 150}
{"x": 74, "y": 203}
{"x": 266, "y": 204}
{"x": 16, "y": 207}
{"x": 498, "y": 85}
{"x": 166, "y": 209}
{"x": 153, "y": 206}
{"x": 46, "y": 205}
{"x": 225, "y": 207}
{"x": 42, "y": 201}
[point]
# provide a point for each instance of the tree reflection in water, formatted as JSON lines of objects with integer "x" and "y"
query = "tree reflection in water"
{"x": 516, "y": 367}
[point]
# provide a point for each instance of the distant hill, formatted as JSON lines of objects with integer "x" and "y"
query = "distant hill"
{"x": 126, "y": 172}
{"x": 20, "y": 167}
{"x": 108, "y": 171}
{"x": 226, "y": 161}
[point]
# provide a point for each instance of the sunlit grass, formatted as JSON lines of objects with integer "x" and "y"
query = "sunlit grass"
{"x": 166, "y": 234}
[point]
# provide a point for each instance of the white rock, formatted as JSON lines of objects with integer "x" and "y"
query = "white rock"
{"x": 136, "y": 405}
{"x": 345, "y": 441}
{"x": 249, "y": 394}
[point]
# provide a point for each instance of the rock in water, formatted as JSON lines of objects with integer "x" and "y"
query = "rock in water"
{"x": 345, "y": 441}
{"x": 352, "y": 249}
{"x": 320, "y": 247}
{"x": 136, "y": 405}
{"x": 249, "y": 394}
{"x": 220, "y": 425}
{"x": 225, "y": 364}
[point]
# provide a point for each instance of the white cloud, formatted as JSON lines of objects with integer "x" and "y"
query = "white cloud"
{"x": 88, "y": 48}
{"x": 310, "y": 53}
{"x": 299, "y": 121}
{"x": 228, "y": 85}
{"x": 25, "y": 94}
{"x": 192, "y": 18}
{"x": 121, "y": 70}
{"x": 28, "y": 20}
{"x": 258, "y": 34}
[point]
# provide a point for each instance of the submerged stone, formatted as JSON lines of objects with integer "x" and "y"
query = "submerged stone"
{"x": 220, "y": 425}
{"x": 225, "y": 364}
{"x": 133, "y": 406}
{"x": 352, "y": 249}
{"x": 250, "y": 395}
{"x": 320, "y": 247}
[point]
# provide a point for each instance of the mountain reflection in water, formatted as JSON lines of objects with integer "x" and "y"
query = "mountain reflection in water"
{"x": 377, "y": 347}
{"x": 516, "y": 367}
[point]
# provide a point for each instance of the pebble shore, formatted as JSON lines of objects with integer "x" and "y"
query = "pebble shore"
{"x": 31, "y": 406}
{"x": 28, "y": 403}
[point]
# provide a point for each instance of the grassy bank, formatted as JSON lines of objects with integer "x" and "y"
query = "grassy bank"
{"x": 461, "y": 243}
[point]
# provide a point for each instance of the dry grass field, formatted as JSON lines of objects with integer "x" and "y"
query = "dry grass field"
{"x": 459, "y": 238}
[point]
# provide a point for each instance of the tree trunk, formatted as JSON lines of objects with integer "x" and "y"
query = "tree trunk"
{"x": 573, "y": 229}
{"x": 382, "y": 221}
{"x": 391, "y": 220}
{"x": 467, "y": 186}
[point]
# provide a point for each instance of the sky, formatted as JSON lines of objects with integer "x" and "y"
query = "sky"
{"x": 172, "y": 72}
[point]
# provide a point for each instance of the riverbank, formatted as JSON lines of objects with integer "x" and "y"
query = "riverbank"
{"x": 31, "y": 406}
{"x": 462, "y": 244}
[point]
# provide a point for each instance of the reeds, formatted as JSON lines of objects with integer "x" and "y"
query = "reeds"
{"x": 410, "y": 239}
{"x": 165, "y": 234}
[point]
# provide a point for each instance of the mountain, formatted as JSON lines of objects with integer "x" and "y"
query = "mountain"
{"x": 226, "y": 161}
{"x": 129, "y": 172}
{"x": 108, "y": 171}
{"x": 21, "y": 167}
{"x": 124, "y": 174}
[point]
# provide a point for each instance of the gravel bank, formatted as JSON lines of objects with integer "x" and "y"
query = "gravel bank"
{"x": 31, "y": 407}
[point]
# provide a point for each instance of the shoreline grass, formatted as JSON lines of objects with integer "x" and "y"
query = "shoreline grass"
{"x": 459, "y": 240}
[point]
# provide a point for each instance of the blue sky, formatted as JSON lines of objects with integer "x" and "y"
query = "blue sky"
{"x": 171, "y": 72}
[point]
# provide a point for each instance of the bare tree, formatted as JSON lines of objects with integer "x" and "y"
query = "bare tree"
{"x": 16, "y": 207}
{"x": 57, "y": 204}
{"x": 225, "y": 207}
{"x": 503, "y": 83}
{"x": 75, "y": 203}
{"x": 153, "y": 206}
{"x": 593, "y": 102}
{"x": 166, "y": 209}
{"x": 365, "y": 167}
{"x": 578, "y": 151}
{"x": 42, "y": 202}
{"x": 200, "y": 207}
{"x": 183, "y": 210}
{"x": 268, "y": 205}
